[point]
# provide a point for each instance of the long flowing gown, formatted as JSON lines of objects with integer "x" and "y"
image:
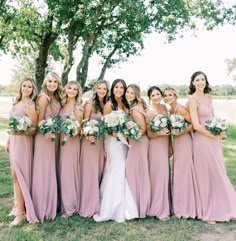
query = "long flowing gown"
{"x": 159, "y": 177}
{"x": 44, "y": 180}
{"x": 21, "y": 155}
{"x": 184, "y": 188}
{"x": 137, "y": 171}
{"x": 69, "y": 172}
{"x": 91, "y": 157}
{"x": 116, "y": 200}
{"x": 216, "y": 193}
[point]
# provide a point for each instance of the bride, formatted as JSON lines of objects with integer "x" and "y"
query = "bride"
{"x": 116, "y": 201}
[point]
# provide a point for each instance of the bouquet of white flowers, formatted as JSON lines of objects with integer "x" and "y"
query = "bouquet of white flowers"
{"x": 51, "y": 125}
{"x": 115, "y": 122}
{"x": 177, "y": 124}
{"x": 159, "y": 122}
{"x": 132, "y": 130}
{"x": 69, "y": 126}
{"x": 20, "y": 124}
{"x": 92, "y": 128}
{"x": 216, "y": 126}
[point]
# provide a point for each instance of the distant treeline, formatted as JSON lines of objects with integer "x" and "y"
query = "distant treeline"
{"x": 217, "y": 90}
{"x": 220, "y": 91}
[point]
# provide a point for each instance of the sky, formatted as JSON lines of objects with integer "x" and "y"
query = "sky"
{"x": 160, "y": 62}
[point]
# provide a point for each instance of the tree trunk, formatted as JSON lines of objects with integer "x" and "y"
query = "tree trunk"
{"x": 69, "y": 60}
{"x": 105, "y": 65}
{"x": 84, "y": 73}
{"x": 41, "y": 61}
{"x": 86, "y": 50}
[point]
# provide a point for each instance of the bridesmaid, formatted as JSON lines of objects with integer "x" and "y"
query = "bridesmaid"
{"x": 137, "y": 157}
{"x": 217, "y": 195}
{"x": 44, "y": 181}
{"x": 92, "y": 156}
{"x": 69, "y": 164}
{"x": 158, "y": 159}
{"x": 20, "y": 149}
{"x": 184, "y": 190}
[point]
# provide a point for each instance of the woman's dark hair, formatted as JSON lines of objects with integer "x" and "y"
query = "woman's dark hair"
{"x": 192, "y": 88}
{"x": 150, "y": 90}
{"x": 123, "y": 99}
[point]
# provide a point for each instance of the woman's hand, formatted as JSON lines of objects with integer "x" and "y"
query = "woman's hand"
{"x": 164, "y": 132}
{"x": 7, "y": 146}
{"x": 91, "y": 139}
{"x": 50, "y": 136}
{"x": 223, "y": 135}
{"x": 114, "y": 134}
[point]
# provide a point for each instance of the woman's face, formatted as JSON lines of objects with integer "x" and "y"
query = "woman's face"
{"x": 118, "y": 90}
{"x": 199, "y": 82}
{"x": 101, "y": 90}
{"x": 27, "y": 88}
{"x": 156, "y": 96}
{"x": 169, "y": 97}
{"x": 51, "y": 83}
{"x": 130, "y": 94}
{"x": 72, "y": 91}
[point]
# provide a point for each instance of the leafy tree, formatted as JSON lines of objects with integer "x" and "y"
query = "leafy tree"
{"x": 231, "y": 68}
{"x": 114, "y": 29}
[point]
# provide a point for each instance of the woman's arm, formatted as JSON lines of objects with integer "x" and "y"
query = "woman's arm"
{"x": 140, "y": 120}
{"x": 107, "y": 108}
{"x": 193, "y": 106}
{"x": 79, "y": 113}
{"x": 185, "y": 114}
{"x": 30, "y": 111}
{"x": 88, "y": 108}
{"x": 42, "y": 104}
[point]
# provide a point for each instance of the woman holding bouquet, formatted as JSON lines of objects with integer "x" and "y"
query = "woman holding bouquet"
{"x": 184, "y": 189}
{"x": 20, "y": 149}
{"x": 69, "y": 164}
{"x": 216, "y": 193}
{"x": 137, "y": 158}
{"x": 158, "y": 157}
{"x": 92, "y": 154}
{"x": 116, "y": 201}
{"x": 44, "y": 181}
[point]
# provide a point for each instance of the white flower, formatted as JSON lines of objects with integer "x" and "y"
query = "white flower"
{"x": 49, "y": 122}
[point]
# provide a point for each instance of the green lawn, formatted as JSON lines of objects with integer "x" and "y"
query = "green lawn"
{"x": 77, "y": 228}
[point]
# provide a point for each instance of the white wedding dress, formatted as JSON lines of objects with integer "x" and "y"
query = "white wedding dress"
{"x": 116, "y": 200}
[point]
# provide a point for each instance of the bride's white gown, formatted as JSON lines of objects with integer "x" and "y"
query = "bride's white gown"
{"x": 117, "y": 202}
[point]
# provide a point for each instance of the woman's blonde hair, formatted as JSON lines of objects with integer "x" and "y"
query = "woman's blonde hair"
{"x": 78, "y": 98}
{"x": 173, "y": 90}
{"x": 33, "y": 94}
{"x": 95, "y": 98}
{"x": 138, "y": 98}
{"x": 59, "y": 92}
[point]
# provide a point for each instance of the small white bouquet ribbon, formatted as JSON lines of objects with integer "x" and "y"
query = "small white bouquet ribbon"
{"x": 123, "y": 139}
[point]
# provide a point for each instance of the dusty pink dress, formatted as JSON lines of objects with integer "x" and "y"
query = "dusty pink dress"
{"x": 69, "y": 173}
{"x": 137, "y": 173}
{"x": 184, "y": 188}
{"x": 44, "y": 181}
{"x": 217, "y": 195}
{"x": 91, "y": 157}
{"x": 159, "y": 177}
{"x": 21, "y": 154}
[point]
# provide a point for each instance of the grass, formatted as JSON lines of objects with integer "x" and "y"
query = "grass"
{"x": 85, "y": 229}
